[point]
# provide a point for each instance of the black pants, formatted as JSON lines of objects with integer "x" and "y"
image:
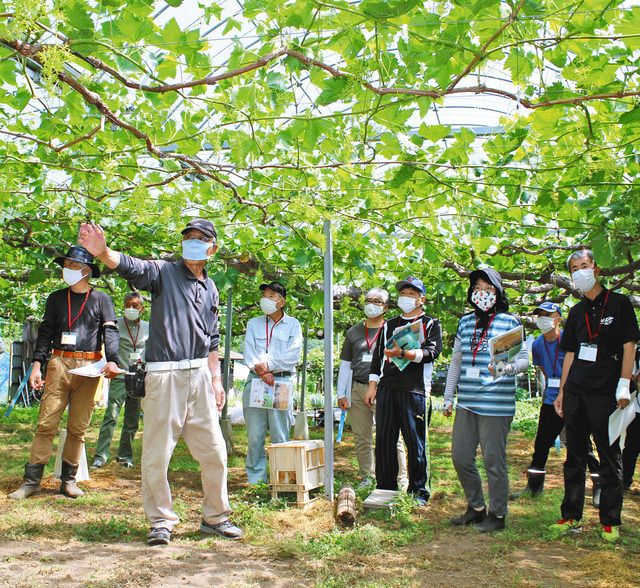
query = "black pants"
{"x": 550, "y": 425}
{"x": 583, "y": 415}
{"x": 631, "y": 451}
{"x": 410, "y": 414}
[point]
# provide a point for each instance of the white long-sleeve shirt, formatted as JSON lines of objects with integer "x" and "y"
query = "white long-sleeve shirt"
{"x": 284, "y": 343}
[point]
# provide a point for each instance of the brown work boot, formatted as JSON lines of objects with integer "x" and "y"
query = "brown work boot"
{"x": 68, "y": 485}
{"x": 30, "y": 483}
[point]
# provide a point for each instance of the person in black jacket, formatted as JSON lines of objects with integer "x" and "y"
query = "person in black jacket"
{"x": 632, "y": 444}
{"x": 402, "y": 396}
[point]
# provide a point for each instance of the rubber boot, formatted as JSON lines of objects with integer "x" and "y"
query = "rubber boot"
{"x": 30, "y": 483}
{"x": 68, "y": 485}
{"x": 595, "y": 490}
{"x": 534, "y": 487}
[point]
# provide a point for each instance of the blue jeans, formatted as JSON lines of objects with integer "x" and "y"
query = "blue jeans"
{"x": 258, "y": 421}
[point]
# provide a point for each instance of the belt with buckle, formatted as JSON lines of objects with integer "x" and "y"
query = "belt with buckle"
{"x": 282, "y": 375}
{"x": 77, "y": 354}
{"x": 183, "y": 364}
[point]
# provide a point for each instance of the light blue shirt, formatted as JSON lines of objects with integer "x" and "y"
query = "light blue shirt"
{"x": 285, "y": 342}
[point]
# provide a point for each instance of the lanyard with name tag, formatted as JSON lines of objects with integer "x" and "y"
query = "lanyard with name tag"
{"x": 367, "y": 357}
{"x": 69, "y": 338}
{"x": 588, "y": 352}
{"x": 473, "y": 372}
{"x": 553, "y": 383}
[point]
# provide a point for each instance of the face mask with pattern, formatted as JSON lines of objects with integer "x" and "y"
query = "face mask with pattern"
{"x": 483, "y": 299}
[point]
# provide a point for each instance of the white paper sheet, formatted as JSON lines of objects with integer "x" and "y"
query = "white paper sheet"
{"x": 92, "y": 370}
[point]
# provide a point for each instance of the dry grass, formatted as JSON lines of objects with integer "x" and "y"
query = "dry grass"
{"x": 98, "y": 539}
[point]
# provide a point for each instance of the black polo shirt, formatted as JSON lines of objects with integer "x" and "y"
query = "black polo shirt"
{"x": 612, "y": 325}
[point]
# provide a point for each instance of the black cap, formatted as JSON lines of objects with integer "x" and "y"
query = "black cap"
{"x": 81, "y": 255}
{"x": 276, "y": 287}
{"x": 202, "y": 225}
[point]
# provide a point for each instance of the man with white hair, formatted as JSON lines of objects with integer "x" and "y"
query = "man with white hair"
{"x": 599, "y": 342}
{"x": 353, "y": 378}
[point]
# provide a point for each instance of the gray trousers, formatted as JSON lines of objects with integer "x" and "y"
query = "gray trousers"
{"x": 490, "y": 432}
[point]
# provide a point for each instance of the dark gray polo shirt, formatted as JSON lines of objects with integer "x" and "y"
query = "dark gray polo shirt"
{"x": 355, "y": 347}
{"x": 184, "y": 310}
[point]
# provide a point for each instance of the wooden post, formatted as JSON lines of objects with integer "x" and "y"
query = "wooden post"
{"x": 346, "y": 507}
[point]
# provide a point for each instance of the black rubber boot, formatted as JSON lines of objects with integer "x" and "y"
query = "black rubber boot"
{"x": 534, "y": 487}
{"x": 30, "y": 483}
{"x": 68, "y": 485}
{"x": 491, "y": 523}
{"x": 471, "y": 517}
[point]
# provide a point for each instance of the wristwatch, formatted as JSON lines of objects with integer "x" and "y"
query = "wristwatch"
{"x": 402, "y": 353}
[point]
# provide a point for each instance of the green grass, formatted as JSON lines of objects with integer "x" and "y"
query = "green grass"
{"x": 383, "y": 549}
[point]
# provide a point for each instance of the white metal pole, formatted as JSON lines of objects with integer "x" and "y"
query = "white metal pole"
{"x": 328, "y": 363}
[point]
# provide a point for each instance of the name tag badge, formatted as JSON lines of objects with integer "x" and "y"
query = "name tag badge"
{"x": 473, "y": 372}
{"x": 367, "y": 357}
{"x": 134, "y": 356}
{"x": 69, "y": 339}
{"x": 588, "y": 352}
{"x": 553, "y": 383}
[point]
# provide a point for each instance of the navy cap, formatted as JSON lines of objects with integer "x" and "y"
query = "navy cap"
{"x": 275, "y": 287}
{"x": 411, "y": 282}
{"x": 548, "y": 307}
{"x": 81, "y": 255}
{"x": 202, "y": 225}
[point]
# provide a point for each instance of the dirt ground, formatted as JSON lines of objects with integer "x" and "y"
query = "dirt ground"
{"x": 46, "y": 553}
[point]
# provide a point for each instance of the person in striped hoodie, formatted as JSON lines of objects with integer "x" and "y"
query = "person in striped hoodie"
{"x": 486, "y": 406}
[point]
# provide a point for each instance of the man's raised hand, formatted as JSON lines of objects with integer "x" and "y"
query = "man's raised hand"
{"x": 92, "y": 238}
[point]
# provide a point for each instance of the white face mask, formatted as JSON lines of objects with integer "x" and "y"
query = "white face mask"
{"x": 406, "y": 304}
{"x": 546, "y": 323}
{"x": 195, "y": 250}
{"x": 131, "y": 314}
{"x": 584, "y": 279}
{"x": 483, "y": 299}
{"x": 372, "y": 310}
{"x": 268, "y": 306}
{"x": 71, "y": 276}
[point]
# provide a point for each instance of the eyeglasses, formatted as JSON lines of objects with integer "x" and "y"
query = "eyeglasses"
{"x": 375, "y": 301}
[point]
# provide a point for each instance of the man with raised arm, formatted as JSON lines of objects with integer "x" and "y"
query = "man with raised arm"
{"x": 183, "y": 384}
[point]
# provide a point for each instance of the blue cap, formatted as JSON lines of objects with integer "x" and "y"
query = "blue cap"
{"x": 411, "y": 282}
{"x": 548, "y": 307}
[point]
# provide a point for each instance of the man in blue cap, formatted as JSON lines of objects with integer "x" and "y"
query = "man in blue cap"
{"x": 548, "y": 357}
{"x": 402, "y": 394}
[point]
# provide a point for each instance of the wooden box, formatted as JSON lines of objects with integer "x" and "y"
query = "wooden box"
{"x": 296, "y": 466}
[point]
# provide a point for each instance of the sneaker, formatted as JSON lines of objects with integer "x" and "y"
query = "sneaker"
{"x": 491, "y": 523}
{"x": 98, "y": 462}
{"x": 421, "y": 500}
{"x": 158, "y": 536}
{"x": 125, "y": 462}
{"x": 224, "y": 529}
{"x": 610, "y": 533}
{"x": 565, "y": 526}
{"x": 365, "y": 483}
{"x": 471, "y": 517}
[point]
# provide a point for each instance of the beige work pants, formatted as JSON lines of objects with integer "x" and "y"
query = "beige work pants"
{"x": 182, "y": 403}
{"x": 61, "y": 389}
{"x": 361, "y": 418}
